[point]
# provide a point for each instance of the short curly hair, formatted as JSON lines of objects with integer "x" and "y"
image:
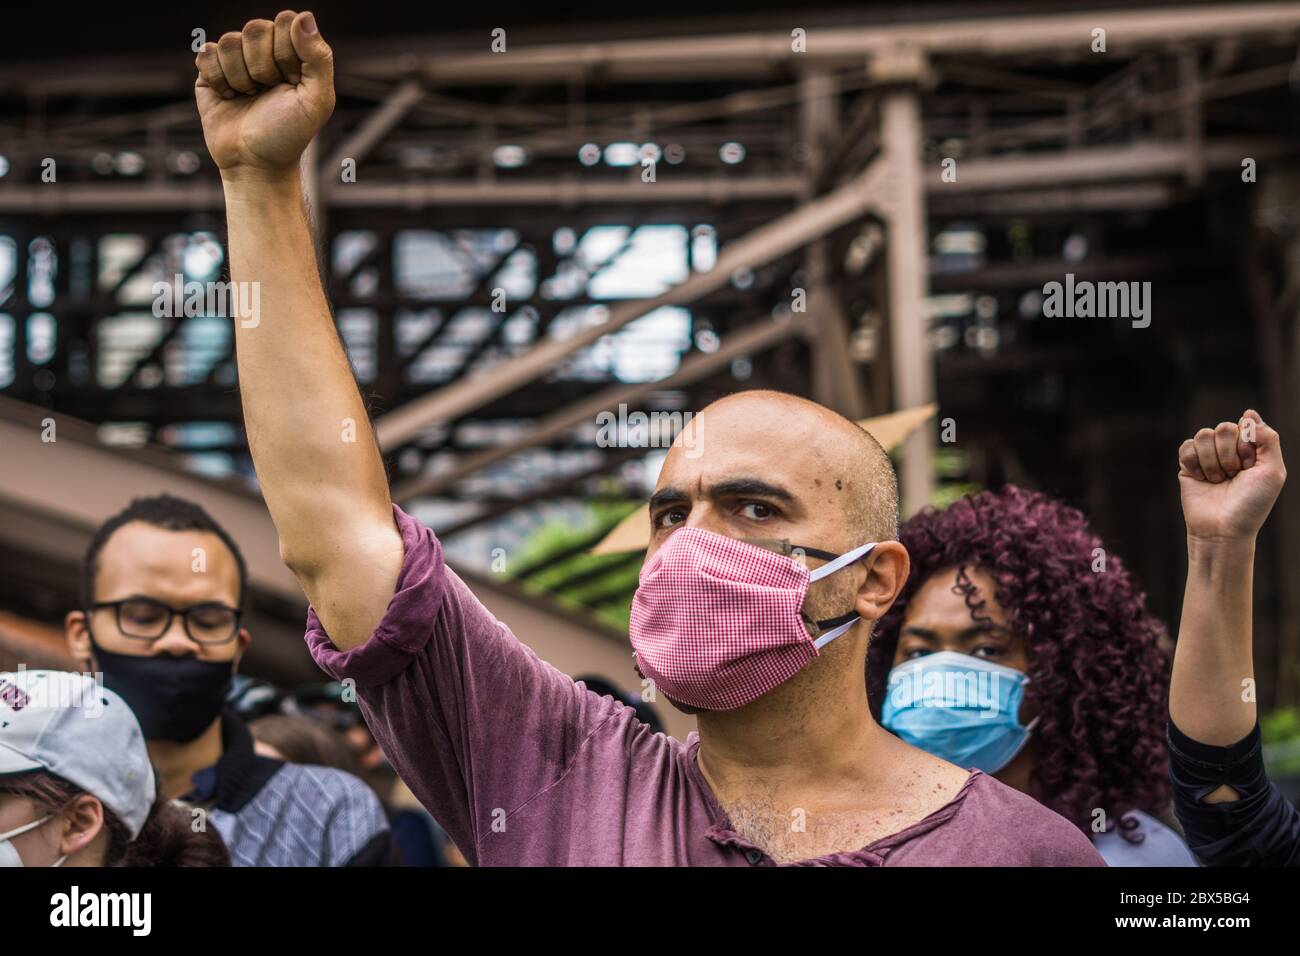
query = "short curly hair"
{"x": 1096, "y": 665}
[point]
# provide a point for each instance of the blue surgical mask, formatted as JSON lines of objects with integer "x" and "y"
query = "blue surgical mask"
{"x": 961, "y": 708}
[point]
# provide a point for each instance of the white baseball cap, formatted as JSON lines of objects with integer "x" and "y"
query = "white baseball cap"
{"x": 71, "y": 725}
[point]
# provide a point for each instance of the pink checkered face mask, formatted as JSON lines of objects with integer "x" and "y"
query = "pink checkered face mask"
{"x": 717, "y": 622}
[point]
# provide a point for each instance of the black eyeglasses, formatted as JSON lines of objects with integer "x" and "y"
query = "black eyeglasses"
{"x": 147, "y": 620}
{"x": 783, "y": 546}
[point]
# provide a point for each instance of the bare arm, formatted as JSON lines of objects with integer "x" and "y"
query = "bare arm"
{"x": 319, "y": 467}
{"x": 1229, "y": 477}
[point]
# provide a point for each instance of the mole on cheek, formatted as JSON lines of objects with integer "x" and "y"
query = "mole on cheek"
{"x": 839, "y": 485}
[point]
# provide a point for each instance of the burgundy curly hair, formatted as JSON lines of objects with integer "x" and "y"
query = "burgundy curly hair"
{"x": 1096, "y": 666}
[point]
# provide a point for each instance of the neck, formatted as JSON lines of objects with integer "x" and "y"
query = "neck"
{"x": 95, "y": 853}
{"x": 177, "y": 762}
{"x": 1016, "y": 774}
{"x": 816, "y": 728}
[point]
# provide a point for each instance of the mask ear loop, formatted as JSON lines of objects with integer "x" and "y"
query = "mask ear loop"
{"x": 843, "y": 561}
{"x": 6, "y": 837}
{"x": 19, "y": 831}
{"x": 1029, "y": 731}
{"x": 1029, "y": 728}
{"x": 833, "y": 633}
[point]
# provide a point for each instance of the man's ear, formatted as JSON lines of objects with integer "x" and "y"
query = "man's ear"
{"x": 242, "y": 640}
{"x": 77, "y": 634}
{"x": 887, "y": 568}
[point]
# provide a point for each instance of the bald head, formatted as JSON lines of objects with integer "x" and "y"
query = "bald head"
{"x": 829, "y": 466}
{"x": 764, "y": 465}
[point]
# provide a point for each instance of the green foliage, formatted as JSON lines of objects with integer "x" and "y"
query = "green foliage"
{"x": 951, "y": 463}
{"x": 946, "y": 494}
{"x": 1280, "y": 732}
{"x": 1280, "y": 725}
{"x": 595, "y": 590}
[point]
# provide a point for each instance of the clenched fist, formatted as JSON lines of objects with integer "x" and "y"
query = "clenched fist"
{"x": 263, "y": 93}
{"x": 1230, "y": 476}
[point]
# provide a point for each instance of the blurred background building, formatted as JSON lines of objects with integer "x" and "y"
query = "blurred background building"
{"x": 655, "y": 206}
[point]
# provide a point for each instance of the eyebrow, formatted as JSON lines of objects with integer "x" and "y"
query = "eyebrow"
{"x": 667, "y": 496}
{"x": 215, "y": 602}
{"x": 966, "y": 633}
{"x": 725, "y": 489}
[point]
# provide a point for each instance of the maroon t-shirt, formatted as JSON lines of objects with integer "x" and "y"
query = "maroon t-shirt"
{"x": 522, "y": 766}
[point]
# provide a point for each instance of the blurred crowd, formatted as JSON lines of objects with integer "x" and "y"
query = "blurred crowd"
{"x": 160, "y": 753}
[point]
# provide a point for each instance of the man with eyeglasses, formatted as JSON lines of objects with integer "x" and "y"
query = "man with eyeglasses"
{"x": 162, "y": 590}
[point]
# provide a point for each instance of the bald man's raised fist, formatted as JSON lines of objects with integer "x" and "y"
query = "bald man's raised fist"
{"x": 263, "y": 93}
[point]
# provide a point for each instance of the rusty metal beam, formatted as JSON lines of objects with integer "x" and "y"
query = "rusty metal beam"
{"x": 373, "y": 128}
{"x": 836, "y": 382}
{"x": 53, "y": 199}
{"x": 76, "y": 477}
{"x": 563, "y": 191}
{"x": 1101, "y": 164}
{"x": 779, "y": 237}
{"x": 911, "y": 362}
{"x": 762, "y": 335}
{"x": 690, "y": 59}
{"x": 548, "y": 492}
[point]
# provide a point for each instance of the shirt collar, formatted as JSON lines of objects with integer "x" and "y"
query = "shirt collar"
{"x": 239, "y": 772}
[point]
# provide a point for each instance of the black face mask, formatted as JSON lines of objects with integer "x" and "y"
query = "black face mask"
{"x": 174, "y": 698}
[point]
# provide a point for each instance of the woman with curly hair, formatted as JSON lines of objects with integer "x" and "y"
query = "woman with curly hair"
{"x": 1021, "y": 648}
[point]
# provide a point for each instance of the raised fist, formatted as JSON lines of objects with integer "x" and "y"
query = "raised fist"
{"x": 263, "y": 93}
{"x": 1230, "y": 476}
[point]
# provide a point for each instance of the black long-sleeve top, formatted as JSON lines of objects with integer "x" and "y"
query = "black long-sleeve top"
{"x": 1260, "y": 829}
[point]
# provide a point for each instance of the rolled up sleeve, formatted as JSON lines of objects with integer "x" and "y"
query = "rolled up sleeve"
{"x": 472, "y": 720}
